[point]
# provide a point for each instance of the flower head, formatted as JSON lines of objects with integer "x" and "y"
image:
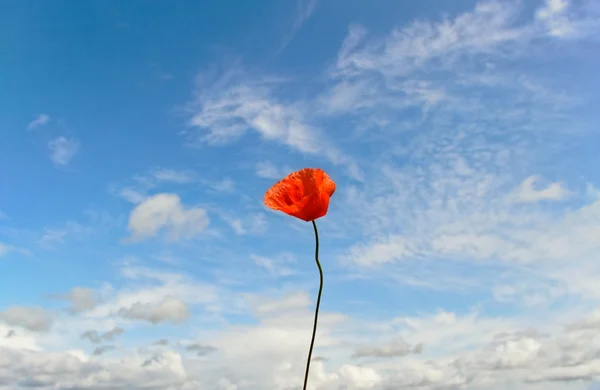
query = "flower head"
{"x": 303, "y": 194}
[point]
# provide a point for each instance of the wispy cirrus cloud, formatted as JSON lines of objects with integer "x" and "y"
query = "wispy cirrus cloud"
{"x": 464, "y": 138}
{"x": 131, "y": 195}
{"x": 568, "y": 19}
{"x": 253, "y": 224}
{"x": 62, "y": 150}
{"x": 268, "y": 170}
{"x": 304, "y": 10}
{"x": 233, "y": 103}
{"x": 280, "y": 265}
{"x": 223, "y": 185}
{"x": 5, "y": 249}
{"x": 138, "y": 188}
{"x": 439, "y": 65}
{"x": 35, "y": 319}
{"x": 57, "y": 235}
{"x": 39, "y": 121}
{"x": 172, "y": 175}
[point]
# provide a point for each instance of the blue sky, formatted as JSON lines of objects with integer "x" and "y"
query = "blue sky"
{"x": 461, "y": 247}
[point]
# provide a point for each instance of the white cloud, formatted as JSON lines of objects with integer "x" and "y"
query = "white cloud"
{"x": 76, "y": 370}
{"x": 5, "y": 249}
{"x": 527, "y": 191}
{"x": 200, "y": 349}
{"x": 57, "y": 235}
{"x": 269, "y": 170}
{"x": 226, "y": 109}
{"x": 19, "y": 338}
{"x": 426, "y": 63}
{"x": 170, "y": 309}
{"x": 392, "y": 348}
{"x": 554, "y": 14}
{"x": 96, "y": 338}
{"x": 529, "y": 293}
{"x": 51, "y": 237}
{"x": 171, "y": 175}
{"x": 34, "y": 319}
{"x": 472, "y": 350}
{"x": 273, "y": 352}
{"x": 225, "y": 185}
{"x": 485, "y": 29}
{"x": 229, "y": 106}
{"x": 304, "y": 10}
{"x": 137, "y": 191}
{"x": 380, "y": 251}
{"x": 236, "y": 225}
{"x": 359, "y": 377}
{"x": 161, "y": 342}
{"x": 81, "y": 299}
{"x": 253, "y": 224}
{"x": 447, "y": 203}
{"x": 155, "y": 294}
{"x": 62, "y": 150}
{"x": 164, "y": 212}
{"x": 592, "y": 192}
{"x": 142, "y": 273}
{"x": 278, "y": 266}
{"x": 131, "y": 195}
{"x": 266, "y": 307}
{"x": 111, "y": 334}
{"x": 498, "y": 232}
{"x": 41, "y": 120}
{"x": 101, "y": 350}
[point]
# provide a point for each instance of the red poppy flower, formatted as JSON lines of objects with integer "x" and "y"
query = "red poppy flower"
{"x": 303, "y": 194}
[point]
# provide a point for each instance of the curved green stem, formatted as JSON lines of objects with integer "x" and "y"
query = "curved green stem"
{"x": 312, "y": 341}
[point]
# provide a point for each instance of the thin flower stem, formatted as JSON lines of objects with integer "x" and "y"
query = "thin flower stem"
{"x": 312, "y": 341}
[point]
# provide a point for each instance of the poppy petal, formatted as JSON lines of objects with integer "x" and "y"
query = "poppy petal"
{"x": 303, "y": 194}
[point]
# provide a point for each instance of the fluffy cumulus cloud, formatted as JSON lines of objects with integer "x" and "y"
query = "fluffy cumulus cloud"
{"x": 34, "y": 319}
{"x": 169, "y": 309}
{"x": 165, "y": 213}
{"x": 390, "y": 349}
{"x": 72, "y": 370}
{"x": 95, "y": 337}
{"x": 200, "y": 349}
{"x": 446, "y": 350}
{"x": 80, "y": 299}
